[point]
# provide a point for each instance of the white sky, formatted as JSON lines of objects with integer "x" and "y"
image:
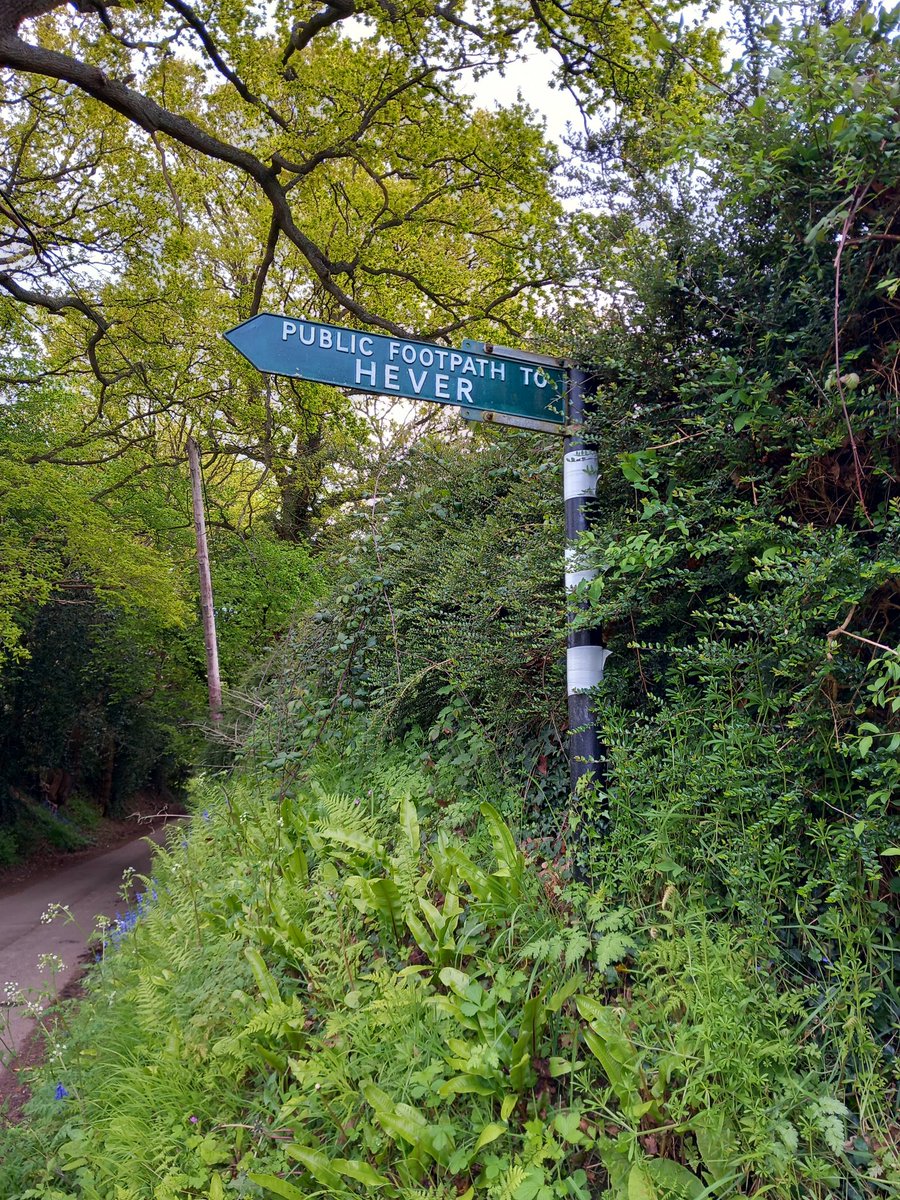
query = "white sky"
{"x": 528, "y": 79}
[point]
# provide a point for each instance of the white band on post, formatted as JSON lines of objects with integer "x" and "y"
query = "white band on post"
{"x": 580, "y": 474}
{"x": 574, "y": 574}
{"x": 584, "y": 667}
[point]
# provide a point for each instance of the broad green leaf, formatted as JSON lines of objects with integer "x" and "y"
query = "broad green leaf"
{"x": 489, "y": 1134}
{"x": 353, "y": 839}
{"x": 277, "y": 1186}
{"x": 561, "y": 995}
{"x": 527, "y": 1045}
{"x": 640, "y": 1186}
{"x": 456, "y": 981}
{"x": 409, "y": 819}
{"x": 426, "y": 943}
{"x": 672, "y": 1180}
{"x": 716, "y": 1141}
{"x": 385, "y": 896}
{"x": 361, "y": 1172}
{"x": 317, "y": 1163}
{"x": 467, "y": 1083}
{"x": 509, "y": 858}
{"x": 265, "y": 981}
{"x": 531, "y": 1185}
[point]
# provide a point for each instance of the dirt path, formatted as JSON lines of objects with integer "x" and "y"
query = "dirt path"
{"x": 90, "y": 888}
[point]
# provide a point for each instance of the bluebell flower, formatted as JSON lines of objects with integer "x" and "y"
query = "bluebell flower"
{"x": 61, "y": 1092}
{"x": 206, "y": 816}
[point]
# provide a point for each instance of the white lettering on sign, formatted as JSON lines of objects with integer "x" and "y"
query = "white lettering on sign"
{"x": 412, "y": 368}
{"x": 368, "y": 371}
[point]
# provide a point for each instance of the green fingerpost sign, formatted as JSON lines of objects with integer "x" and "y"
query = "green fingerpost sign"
{"x": 487, "y": 383}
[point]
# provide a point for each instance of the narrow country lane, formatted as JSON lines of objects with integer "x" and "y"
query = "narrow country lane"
{"x": 89, "y": 888}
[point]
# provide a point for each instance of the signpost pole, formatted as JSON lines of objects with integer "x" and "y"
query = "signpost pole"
{"x": 585, "y": 655}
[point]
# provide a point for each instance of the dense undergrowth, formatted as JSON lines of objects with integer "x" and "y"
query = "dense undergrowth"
{"x": 334, "y": 993}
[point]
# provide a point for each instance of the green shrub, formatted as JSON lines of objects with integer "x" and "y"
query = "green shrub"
{"x": 322, "y": 994}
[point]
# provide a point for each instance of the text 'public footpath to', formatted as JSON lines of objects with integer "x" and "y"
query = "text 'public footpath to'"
{"x": 424, "y": 370}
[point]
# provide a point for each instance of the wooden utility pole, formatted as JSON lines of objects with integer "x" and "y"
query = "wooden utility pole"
{"x": 206, "y": 596}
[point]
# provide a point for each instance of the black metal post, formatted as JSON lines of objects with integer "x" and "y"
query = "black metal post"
{"x": 585, "y": 655}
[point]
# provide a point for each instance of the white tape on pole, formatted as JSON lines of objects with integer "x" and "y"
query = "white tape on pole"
{"x": 574, "y": 573}
{"x": 580, "y": 474}
{"x": 584, "y": 667}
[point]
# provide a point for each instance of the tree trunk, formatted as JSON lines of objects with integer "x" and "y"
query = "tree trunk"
{"x": 206, "y": 596}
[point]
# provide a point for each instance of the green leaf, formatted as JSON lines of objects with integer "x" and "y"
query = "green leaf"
{"x": 534, "y": 1016}
{"x": 640, "y": 1186}
{"x": 360, "y": 1172}
{"x": 672, "y": 1180}
{"x": 531, "y": 1185}
{"x": 265, "y": 981}
{"x": 353, "y": 839}
{"x": 409, "y": 820}
{"x": 509, "y": 858}
{"x": 457, "y": 981}
{"x": 316, "y": 1163}
{"x": 386, "y": 898}
{"x": 716, "y": 1141}
{"x": 277, "y": 1186}
{"x": 561, "y": 995}
{"x": 620, "y": 1060}
{"x": 489, "y": 1134}
{"x": 460, "y": 1084}
{"x": 568, "y": 1126}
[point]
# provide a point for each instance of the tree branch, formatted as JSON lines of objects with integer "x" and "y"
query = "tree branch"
{"x": 304, "y": 31}
{"x": 268, "y": 259}
{"x": 221, "y": 66}
{"x": 153, "y": 118}
{"x": 53, "y": 304}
